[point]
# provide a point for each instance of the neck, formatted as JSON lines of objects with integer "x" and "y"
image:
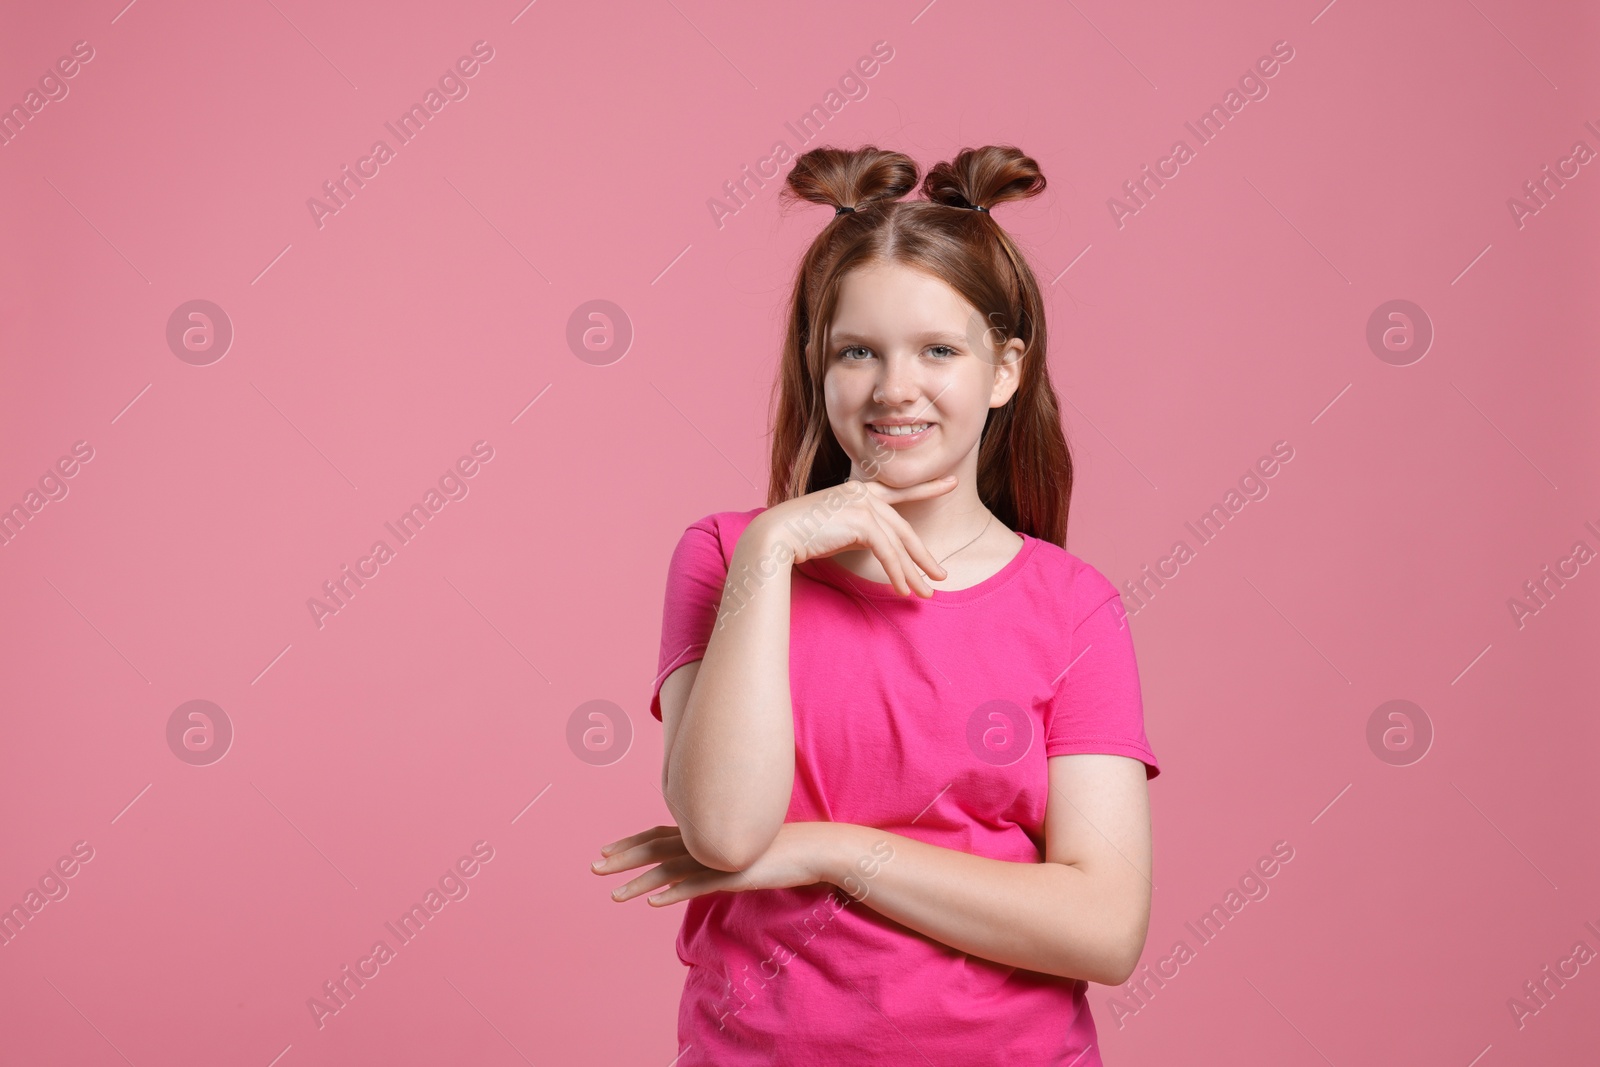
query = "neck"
{"x": 955, "y": 527}
{"x": 942, "y": 521}
{"x": 946, "y": 522}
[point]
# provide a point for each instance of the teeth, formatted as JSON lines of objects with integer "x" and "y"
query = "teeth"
{"x": 901, "y": 431}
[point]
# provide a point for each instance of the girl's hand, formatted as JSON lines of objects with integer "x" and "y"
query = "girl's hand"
{"x": 795, "y": 858}
{"x": 857, "y": 514}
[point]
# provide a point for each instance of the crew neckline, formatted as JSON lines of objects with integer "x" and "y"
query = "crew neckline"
{"x": 887, "y": 591}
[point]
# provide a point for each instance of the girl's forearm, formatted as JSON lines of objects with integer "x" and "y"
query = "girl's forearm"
{"x": 1048, "y": 917}
{"x": 731, "y": 770}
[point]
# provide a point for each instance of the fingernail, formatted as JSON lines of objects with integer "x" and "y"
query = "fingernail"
{"x": 597, "y": 864}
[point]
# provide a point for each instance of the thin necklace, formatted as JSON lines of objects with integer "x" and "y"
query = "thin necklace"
{"x": 969, "y": 544}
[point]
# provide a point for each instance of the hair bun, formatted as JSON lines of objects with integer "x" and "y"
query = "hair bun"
{"x": 983, "y": 177}
{"x": 851, "y": 178}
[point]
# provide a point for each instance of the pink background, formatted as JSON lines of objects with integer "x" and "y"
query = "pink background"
{"x": 369, "y": 354}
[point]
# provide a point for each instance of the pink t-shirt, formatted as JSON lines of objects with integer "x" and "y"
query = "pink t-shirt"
{"x": 929, "y": 719}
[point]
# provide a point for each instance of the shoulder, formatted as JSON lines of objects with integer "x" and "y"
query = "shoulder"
{"x": 717, "y": 531}
{"x": 1082, "y": 586}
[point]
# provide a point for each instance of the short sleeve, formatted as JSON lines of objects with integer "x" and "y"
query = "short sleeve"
{"x": 1097, "y": 705}
{"x": 695, "y": 578}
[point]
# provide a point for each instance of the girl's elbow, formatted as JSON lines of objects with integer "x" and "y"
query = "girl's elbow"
{"x": 1123, "y": 956}
{"x": 1121, "y": 969}
{"x": 727, "y": 848}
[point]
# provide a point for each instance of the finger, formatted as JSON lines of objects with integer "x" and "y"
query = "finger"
{"x": 901, "y": 537}
{"x": 917, "y": 559}
{"x": 696, "y": 885}
{"x": 666, "y": 874}
{"x": 915, "y": 551}
{"x": 919, "y": 491}
{"x": 644, "y": 835}
{"x": 629, "y": 842}
{"x": 914, "y": 570}
{"x": 657, "y": 850}
{"x": 886, "y": 547}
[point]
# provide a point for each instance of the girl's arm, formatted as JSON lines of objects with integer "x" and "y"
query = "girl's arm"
{"x": 1083, "y": 913}
{"x": 728, "y": 769}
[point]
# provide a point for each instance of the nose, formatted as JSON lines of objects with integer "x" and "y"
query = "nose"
{"x": 897, "y": 383}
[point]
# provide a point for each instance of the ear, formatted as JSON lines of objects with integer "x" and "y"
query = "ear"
{"x": 1007, "y": 372}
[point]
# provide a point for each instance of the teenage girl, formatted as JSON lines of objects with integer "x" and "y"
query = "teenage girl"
{"x": 905, "y": 749}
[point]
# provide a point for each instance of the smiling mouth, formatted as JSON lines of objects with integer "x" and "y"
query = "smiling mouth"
{"x": 899, "y": 431}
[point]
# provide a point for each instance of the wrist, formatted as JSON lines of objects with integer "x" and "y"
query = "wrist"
{"x": 852, "y": 856}
{"x": 831, "y": 850}
{"x": 764, "y": 548}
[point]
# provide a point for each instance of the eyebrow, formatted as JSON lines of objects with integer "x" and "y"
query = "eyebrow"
{"x": 933, "y": 335}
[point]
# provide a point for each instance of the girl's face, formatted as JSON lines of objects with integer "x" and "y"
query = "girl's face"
{"x": 905, "y": 348}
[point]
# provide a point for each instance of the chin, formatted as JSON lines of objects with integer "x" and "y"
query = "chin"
{"x": 903, "y": 477}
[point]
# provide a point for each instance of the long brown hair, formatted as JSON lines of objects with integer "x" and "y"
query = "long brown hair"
{"x": 1024, "y": 466}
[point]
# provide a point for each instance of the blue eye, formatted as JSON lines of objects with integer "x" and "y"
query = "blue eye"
{"x": 948, "y": 352}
